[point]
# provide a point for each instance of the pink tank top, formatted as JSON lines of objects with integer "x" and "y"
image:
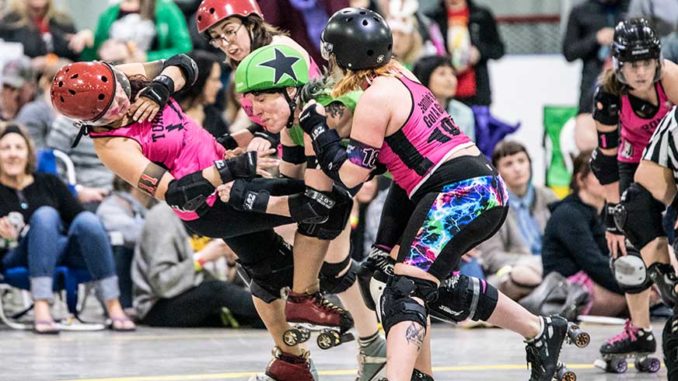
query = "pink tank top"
{"x": 174, "y": 142}
{"x": 637, "y": 131}
{"x": 314, "y": 72}
{"x": 426, "y": 139}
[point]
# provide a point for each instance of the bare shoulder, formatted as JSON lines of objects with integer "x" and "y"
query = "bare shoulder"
{"x": 670, "y": 80}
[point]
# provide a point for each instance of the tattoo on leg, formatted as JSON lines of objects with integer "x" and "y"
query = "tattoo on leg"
{"x": 336, "y": 109}
{"x": 415, "y": 335}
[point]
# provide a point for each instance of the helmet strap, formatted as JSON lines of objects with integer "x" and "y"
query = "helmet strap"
{"x": 83, "y": 130}
{"x": 292, "y": 102}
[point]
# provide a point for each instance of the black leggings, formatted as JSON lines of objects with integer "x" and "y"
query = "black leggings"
{"x": 201, "y": 307}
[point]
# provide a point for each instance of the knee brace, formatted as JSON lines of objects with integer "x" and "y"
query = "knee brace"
{"x": 333, "y": 283}
{"x": 374, "y": 272}
{"x": 270, "y": 276}
{"x": 630, "y": 272}
{"x": 461, "y": 297}
{"x": 639, "y": 216}
{"x": 335, "y": 223}
{"x": 663, "y": 275}
{"x": 398, "y": 303}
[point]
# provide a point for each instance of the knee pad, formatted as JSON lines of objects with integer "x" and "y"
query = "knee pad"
{"x": 670, "y": 347}
{"x": 461, "y": 297}
{"x": 335, "y": 223}
{"x": 333, "y": 283}
{"x": 630, "y": 272}
{"x": 271, "y": 275}
{"x": 398, "y": 303}
{"x": 663, "y": 275}
{"x": 373, "y": 274}
{"x": 639, "y": 216}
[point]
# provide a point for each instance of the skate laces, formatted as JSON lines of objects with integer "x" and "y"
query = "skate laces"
{"x": 629, "y": 332}
{"x": 326, "y": 304}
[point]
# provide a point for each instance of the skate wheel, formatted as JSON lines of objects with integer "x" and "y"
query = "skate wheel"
{"x": 564, "y": 374}
{"x": 305, "y": 334}
{"x": 578, "y": 337}
{"x": 291, "y": 337}
{"x": 325, "y": 340}
{"x": 648, "y": 365}
{"x": 617, "y": 366}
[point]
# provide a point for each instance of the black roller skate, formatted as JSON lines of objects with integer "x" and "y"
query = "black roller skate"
{"x": 314, "y": 313}
{"x": 288, "y": 367}
{"x": 631, "y": 343}
{"x": 670, "y": 347}
{"x": 543, "y": 350}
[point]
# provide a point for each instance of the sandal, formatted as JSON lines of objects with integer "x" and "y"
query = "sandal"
{"x": 52, "y": 327}
{"x": 121, "y": 325}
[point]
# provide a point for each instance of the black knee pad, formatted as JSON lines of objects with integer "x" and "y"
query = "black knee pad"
{"x": 461, "y": 297}
{"x": 398, "y": 303}
{"x": 333, "y": 283}
{"x": 630, "y": 272}
{"x": 420, "y": 376}
{"x": 337, "y": 220}
{"x": 639, "y": 216}
{"x": 670, "y": 347}
{"x": 663, "y": 275}
{"x": 269, "y": 276}
{"x": 373, "y": 274}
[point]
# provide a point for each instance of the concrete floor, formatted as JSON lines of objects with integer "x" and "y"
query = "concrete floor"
{"x": 223, "y": 354}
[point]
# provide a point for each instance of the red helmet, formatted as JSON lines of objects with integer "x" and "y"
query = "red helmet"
{"x": 83, "y": 90}
{"x": 212, "y": 12}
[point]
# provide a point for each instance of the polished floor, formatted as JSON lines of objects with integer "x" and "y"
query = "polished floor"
{"x": 225, "y": 354}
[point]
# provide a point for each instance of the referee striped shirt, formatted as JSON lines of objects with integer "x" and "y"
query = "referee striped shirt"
{"x": 663, "y": 146}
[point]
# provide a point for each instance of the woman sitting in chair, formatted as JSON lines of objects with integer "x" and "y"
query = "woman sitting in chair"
{"x": 60, "y": 233}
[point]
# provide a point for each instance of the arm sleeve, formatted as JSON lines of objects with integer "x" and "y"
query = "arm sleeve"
{"x": 575, "y": 45}
{"x": 582, "y": 247}
{"x": 168, "y": 255}
{"x": 178, "y": 37}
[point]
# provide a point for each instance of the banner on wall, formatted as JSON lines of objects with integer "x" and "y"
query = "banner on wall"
{"x": 559, "y": 147}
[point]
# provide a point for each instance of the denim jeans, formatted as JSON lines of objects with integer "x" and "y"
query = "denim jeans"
{"x": 472, "y": 268}
{"x": 47, "y": 244}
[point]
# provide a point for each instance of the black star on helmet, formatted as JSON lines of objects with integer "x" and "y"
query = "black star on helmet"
{"x": 282, "y": 65}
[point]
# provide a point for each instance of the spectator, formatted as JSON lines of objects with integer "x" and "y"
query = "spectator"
{"x": 437, "y": 73}
{"x": 94, "y": 180}
{"x": 589, "y": 32}
{"x": 170, "y": 288}
{"x": 145, "y": 30}
{"x": 38, "y": 116}
{"x": 472, "y": 39}
{"x": 408, "y": 44}
{"x": 18, "y": 87}
{"x": 123, "y": 214}
{"x": 198, "y": 101}
{"x": 662, "y": 14}
{"x": 512, "y": 257}
{"x": 43, "y": 30}
{"x": 670, "y": 48}
{"x": 303, "y": 19}
{"x": 575, "y": 245}
{"x": 60, "y": 232}
{"x": 432, "y": 38}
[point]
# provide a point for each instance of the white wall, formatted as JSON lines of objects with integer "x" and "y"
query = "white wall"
{"x": 522, "y": 86}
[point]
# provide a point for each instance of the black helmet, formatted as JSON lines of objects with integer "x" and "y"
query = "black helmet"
{"x": 358, "y": 38}
{"x": 635, "y": 40}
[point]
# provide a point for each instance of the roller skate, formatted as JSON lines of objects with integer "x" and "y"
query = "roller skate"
{"x": 288, "y": 367}
{"x": 543, "y": 350}
{"x": 314, "y": 313}
{"x": 632, "y": 342}
{"x": 670, "y": 347}
{"x": 372, "y": 358}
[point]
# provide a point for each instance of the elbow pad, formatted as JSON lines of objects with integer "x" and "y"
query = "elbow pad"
{"x": 311, "y": 207}
{"x": 605, "y": 107}
{"x": 189, "y": 193}
{"x": 187, "y": 66}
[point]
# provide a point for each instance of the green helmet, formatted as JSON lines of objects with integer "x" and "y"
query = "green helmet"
{"x": 271, "y": 67}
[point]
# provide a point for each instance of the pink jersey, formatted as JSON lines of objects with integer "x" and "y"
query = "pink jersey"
{"x": 314, "y": 72}
{"x": 636, "y": 131}
{"x": 427, "y": 138}
{"x": 174, "y": 142}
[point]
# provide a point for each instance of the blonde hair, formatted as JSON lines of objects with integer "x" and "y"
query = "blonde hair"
{"x": 416, "y": 46}
{"x": 354, "y": 80}
{"x": 608, "y": 79}
{"x": 20, "y": 8}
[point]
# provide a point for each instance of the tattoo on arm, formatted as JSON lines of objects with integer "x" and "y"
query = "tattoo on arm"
{"x": 336, "y": 110}
{"x": 150, "y": 179}
{"x": 415, "y": 335}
